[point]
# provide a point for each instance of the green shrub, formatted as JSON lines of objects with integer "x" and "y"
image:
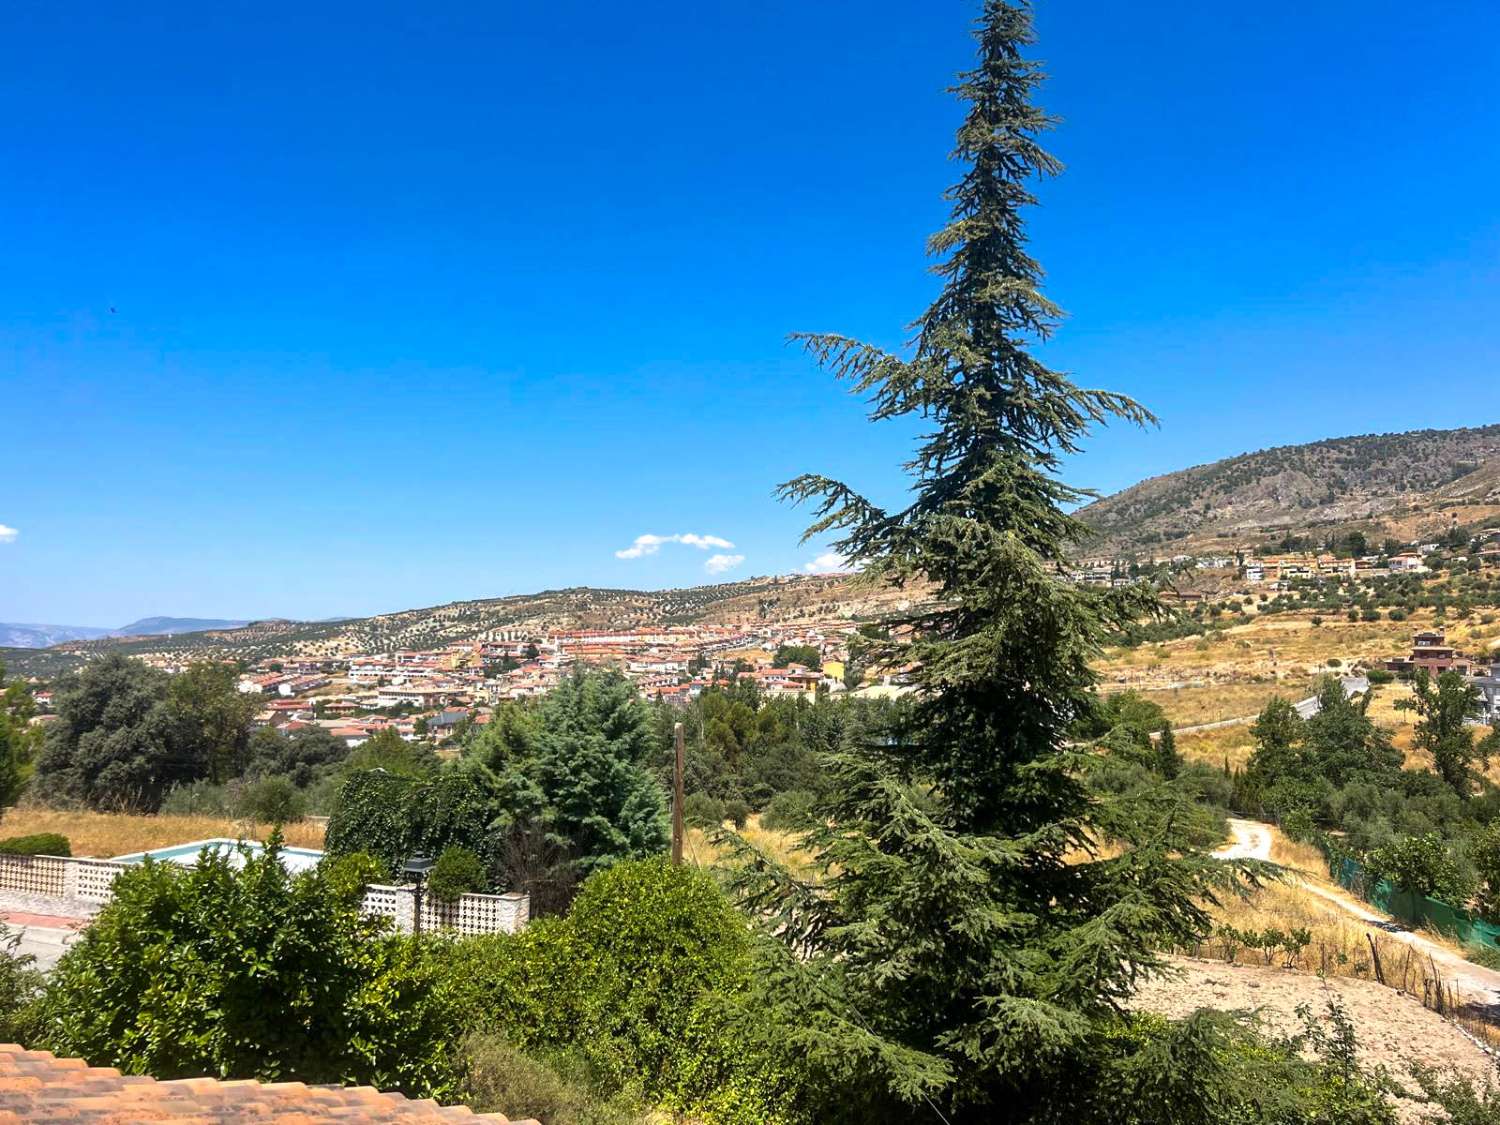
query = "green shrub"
{"x": 500, "y": 1078}
{"x": 20, "y": 985}
{"x": 42, "y": 843}
{"x": 457, "y": 872}
{"x": 702, "y": 810}
{"x": 1486, "y": 956}
{"x": 251, "y": 973}
{"x": 644, "y": 977}
{"x": 1380, "y": 676}
{"x": 394, "y": 817}
{"x": 347, "y": 876}
{"x": 1298, "y": 824}
{"x": 271, "y": 800}
{"x": 1422, "y": 865}
{"x": 791, "y": 811}
{"x": 737, "y": 812}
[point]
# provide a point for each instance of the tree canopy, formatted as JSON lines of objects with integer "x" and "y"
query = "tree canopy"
{"x": 126, "y": 733}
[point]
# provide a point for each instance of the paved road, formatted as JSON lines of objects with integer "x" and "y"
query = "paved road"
{"x": 1473, "y": 983}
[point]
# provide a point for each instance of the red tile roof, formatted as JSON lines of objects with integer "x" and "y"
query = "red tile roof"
{"x": 35, "y": 1086}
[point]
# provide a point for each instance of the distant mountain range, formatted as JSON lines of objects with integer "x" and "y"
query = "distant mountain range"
{"x": 1401, "y": 486}
{"x": 749, "y": 602}
{"x": 171, "y": 626}
{"x": 44, "y": 636}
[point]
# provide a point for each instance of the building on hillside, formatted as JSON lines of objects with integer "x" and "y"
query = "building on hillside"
{"x": 415, "y": 695}
{"x": 1332, "y": 565}
{"x": 1431, "y": 652}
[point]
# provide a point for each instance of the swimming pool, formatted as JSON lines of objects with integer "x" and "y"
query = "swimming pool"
{"x": 293, "y": 859}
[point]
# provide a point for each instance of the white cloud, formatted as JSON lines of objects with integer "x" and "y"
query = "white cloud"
{"x": 649, "y": 544}
{"x": 703, "y": 542}
{"x": 829, "y": 562}
{"x": 8, "y": 534}
{"x": 718, "y": 564}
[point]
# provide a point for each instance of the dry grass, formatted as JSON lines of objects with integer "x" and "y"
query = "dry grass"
{"x": 1212, "y": 703}
{"x": 1284, "y": 647}
{"x": 1339, "y": 946}
{"x": 111, "y": 834}
{"x": 781, "y": 846}
{"x": 1213, "y": 747}
{"x": 1299, "y": 857}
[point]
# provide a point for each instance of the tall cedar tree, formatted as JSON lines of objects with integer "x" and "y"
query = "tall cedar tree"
{"x": 964, "y": 945}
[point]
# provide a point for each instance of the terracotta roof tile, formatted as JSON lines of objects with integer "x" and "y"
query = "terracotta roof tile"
{"x": 35, "y": 1086}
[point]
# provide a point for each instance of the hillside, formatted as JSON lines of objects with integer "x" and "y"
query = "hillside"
{"x": 753, "y": 601}
{"x": 171, "y": 626}
{"x": 1402, "y": 485}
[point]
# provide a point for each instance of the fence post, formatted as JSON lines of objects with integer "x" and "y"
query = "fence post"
{"x": 70, "y": 879}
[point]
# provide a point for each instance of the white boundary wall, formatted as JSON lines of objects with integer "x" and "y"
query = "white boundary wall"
{"x": 78, "y": 887}
{"x": 470, "y": 916}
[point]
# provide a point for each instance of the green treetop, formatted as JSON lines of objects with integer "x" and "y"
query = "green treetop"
{"x": 1445, "y": 708}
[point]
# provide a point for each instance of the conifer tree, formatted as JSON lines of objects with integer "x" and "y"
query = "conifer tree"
{"x": 1168, "y": 757}
{"x": 964, "y": 943}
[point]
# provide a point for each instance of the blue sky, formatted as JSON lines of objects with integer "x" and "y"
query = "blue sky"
{"x": 423, "y": 302}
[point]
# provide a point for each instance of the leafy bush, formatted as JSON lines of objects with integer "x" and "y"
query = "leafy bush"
{"x": 271, "y": 800}
{"x": 457, "y": 872}
{"x": 1486, "y": 956}
{"x": 1380, "y": 676}
{"x": 250, "y": 973}
{"x": 20, "y": 985}
{"x": 1421, "y": 865}
{"x": 644, "y": 979}
{"x": 791, "y": 811}
{"x": 394, "y": 817}
{"x": 736, "y": 811}
{"x": 42, "y": 843}
{"x": 1298, "y": 824}
{"x": 347, "y": 876}
{"x": 500, "y": 1078}
{"x": 702, "y": 810}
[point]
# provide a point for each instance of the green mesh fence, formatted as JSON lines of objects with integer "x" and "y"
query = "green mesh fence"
{"x": 1413, "y": 909}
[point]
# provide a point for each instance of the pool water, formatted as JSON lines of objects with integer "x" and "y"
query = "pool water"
{"x": 293, "y": 859}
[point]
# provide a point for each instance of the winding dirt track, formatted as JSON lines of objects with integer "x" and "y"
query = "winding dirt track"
{"x": 1473, "y": 983}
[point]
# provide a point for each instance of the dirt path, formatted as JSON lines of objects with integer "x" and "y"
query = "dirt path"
{"x": 1473, "y": 983}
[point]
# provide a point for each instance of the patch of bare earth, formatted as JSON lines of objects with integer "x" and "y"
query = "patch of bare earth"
{"x": 1393, "y": 1028}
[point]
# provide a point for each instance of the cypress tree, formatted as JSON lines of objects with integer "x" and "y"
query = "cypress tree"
{"x": 1168, "y": 757}
{"x": 965, "y": 944}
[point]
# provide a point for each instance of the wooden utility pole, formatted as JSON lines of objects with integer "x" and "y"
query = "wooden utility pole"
{"x": 677, "y": 795}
